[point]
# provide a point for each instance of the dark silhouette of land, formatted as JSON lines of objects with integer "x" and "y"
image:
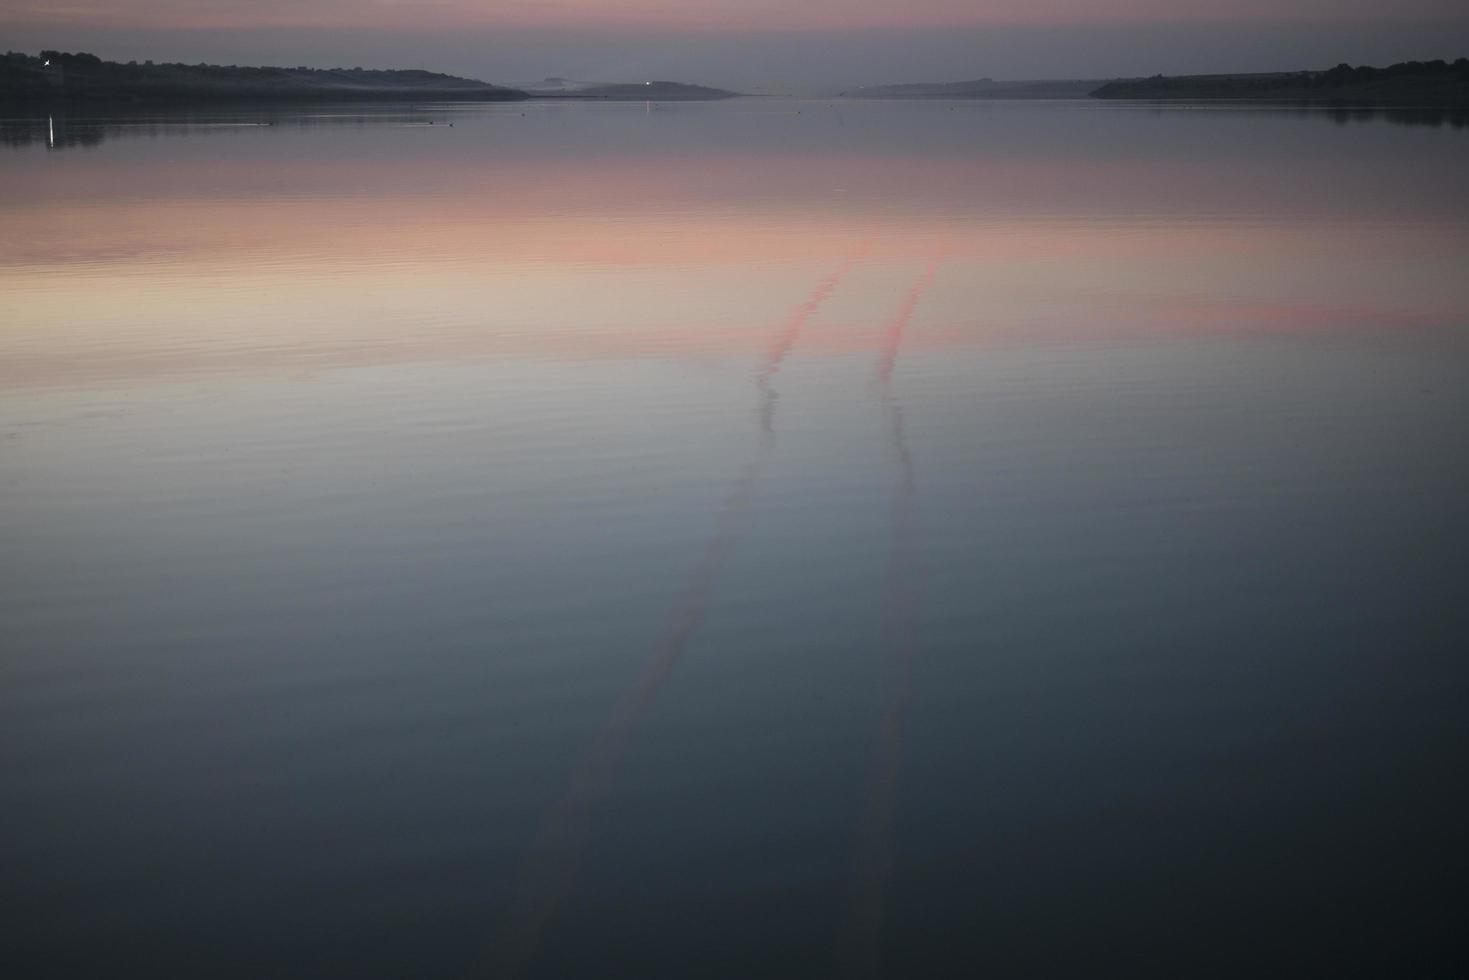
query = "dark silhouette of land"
{"x": 57, "y": 76}
{"x": 1409, "y": 83}
{"x": 980, "y": 88}
{"x": 633, "y": 92}
{"x": 1406, "y": 83}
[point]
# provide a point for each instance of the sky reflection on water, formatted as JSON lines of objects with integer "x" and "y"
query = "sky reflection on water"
{"x": 920, "y": 537}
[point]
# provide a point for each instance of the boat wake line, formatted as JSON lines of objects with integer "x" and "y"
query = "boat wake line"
{"x": 549, "y": 870}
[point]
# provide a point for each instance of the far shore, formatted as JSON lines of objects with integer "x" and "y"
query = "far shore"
{"x": 64, "y": 80}
{"x": 54, "y": 77}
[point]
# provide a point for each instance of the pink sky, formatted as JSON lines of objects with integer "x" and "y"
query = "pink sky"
{"x": 697, "y": 14}
{"x": 753, "y": 45}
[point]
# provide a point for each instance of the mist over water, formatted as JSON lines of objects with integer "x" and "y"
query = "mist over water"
{"x": 762, "y": 538}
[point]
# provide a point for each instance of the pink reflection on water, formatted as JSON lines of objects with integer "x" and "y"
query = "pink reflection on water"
{"x": 860, "y": 945}
{"x": 550, "y": 867}
{"x": 782, "y": 342}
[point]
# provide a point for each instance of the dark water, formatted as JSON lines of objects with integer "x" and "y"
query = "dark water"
{"x": 754, "y": 539}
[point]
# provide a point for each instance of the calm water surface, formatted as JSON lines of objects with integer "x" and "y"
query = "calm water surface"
{"x": 738, "y": 540}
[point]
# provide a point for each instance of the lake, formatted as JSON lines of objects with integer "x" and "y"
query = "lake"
{"x": 763, "y": 538}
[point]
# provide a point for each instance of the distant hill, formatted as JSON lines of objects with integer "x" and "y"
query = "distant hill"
{"x": 1406, "y": 83}
{"x": 60, "y": 76}
{"x": 981, "y": 88}
{"x": 559, "y": 88}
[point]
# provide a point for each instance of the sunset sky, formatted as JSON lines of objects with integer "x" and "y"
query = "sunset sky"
{"x": 769, "y": 45}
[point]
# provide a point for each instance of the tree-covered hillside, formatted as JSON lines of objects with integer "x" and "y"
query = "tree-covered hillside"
{"x": 1409, "y": 82}
{"x": 58, "y": 75}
